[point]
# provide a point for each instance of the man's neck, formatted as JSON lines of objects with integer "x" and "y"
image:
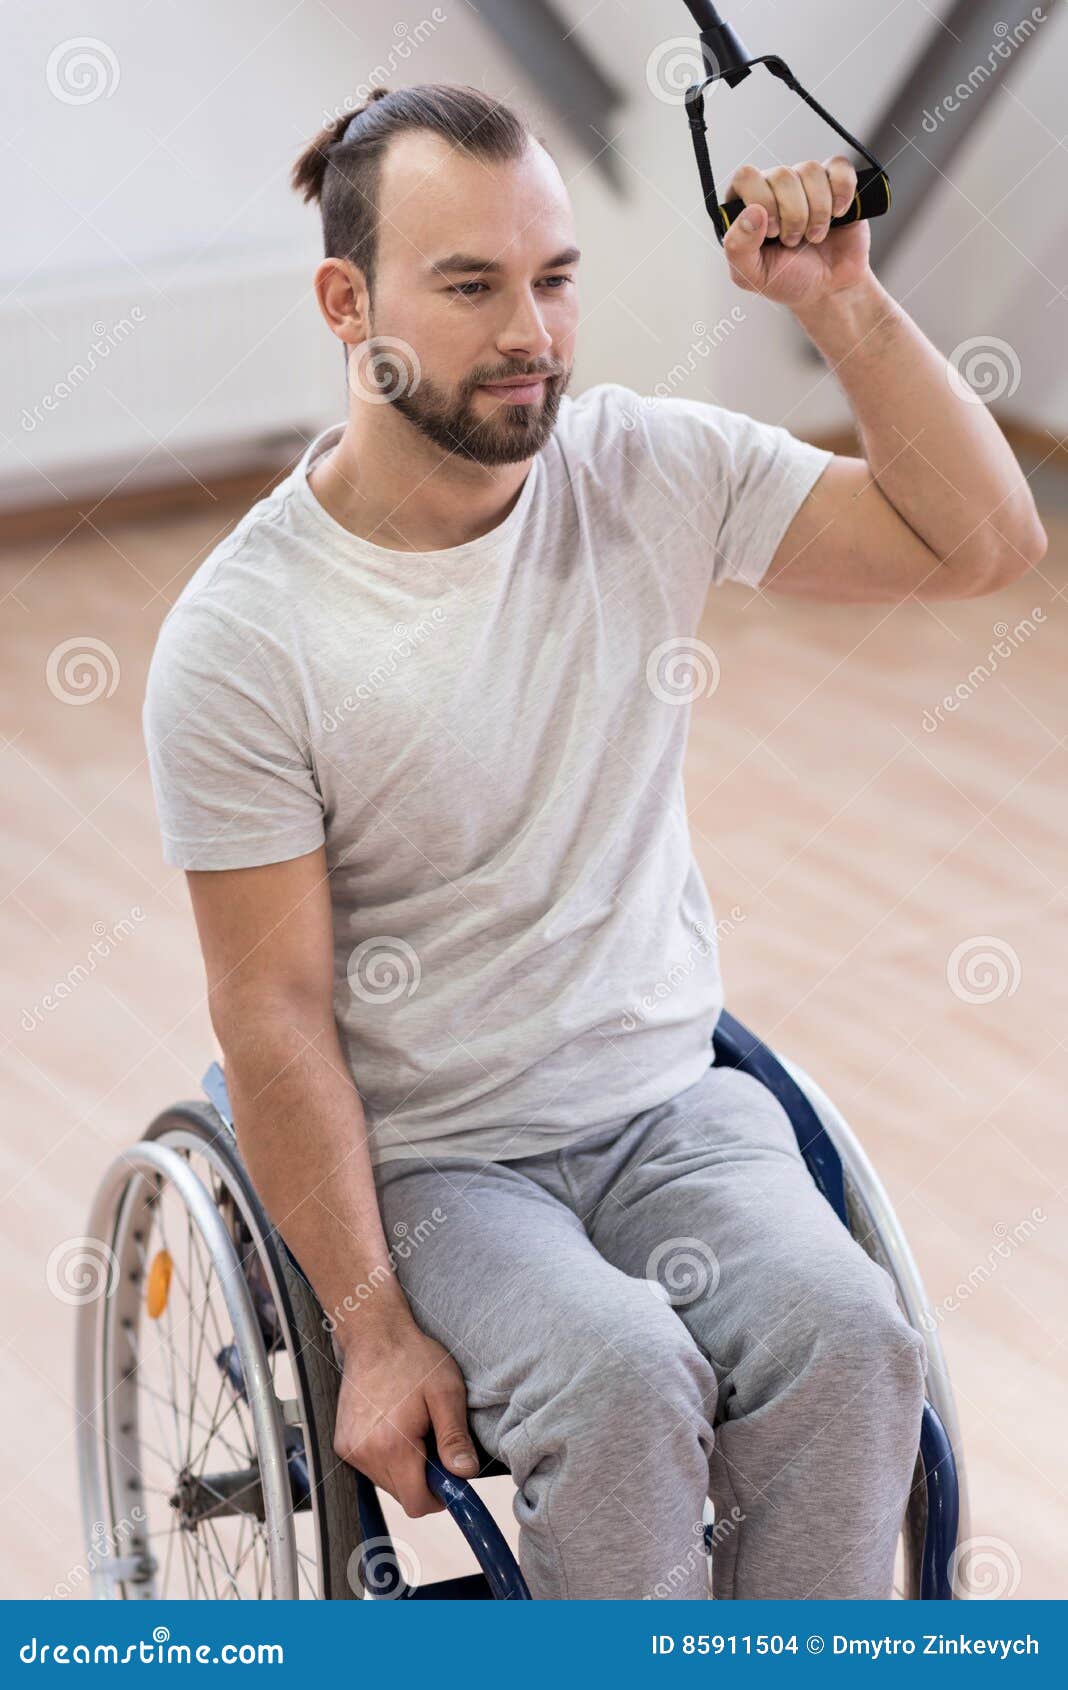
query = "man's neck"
{"x": 384, "y": 483}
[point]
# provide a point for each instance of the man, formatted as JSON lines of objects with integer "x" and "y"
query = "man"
{"x": 415, "y": 737}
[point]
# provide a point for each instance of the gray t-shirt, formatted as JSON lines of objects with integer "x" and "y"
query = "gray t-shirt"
{"x": 489, "y": 739}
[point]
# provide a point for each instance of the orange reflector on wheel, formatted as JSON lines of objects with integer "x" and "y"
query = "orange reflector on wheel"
{"x": 159, "y": 1283}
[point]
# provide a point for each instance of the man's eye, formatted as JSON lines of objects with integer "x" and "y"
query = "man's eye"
{"x": 465, "y": 289}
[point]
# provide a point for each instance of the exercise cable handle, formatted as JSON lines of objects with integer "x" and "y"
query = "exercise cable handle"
{"x": 727, "y": 60}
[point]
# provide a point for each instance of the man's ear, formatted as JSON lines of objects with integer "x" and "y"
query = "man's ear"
{"x": 343, "y": 298}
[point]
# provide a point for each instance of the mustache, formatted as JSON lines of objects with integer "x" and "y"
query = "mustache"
{"x": 513, "y": 375}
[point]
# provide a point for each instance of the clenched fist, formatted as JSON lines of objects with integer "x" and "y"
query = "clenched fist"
{"x": 796, "y": 203}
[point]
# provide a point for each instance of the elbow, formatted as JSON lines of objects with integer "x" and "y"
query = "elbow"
{"x": 235, "y": 1028}
{"x": 1038, "y": 543}
{"x": 1005, "y": 561}
{"x": 257, "y": 1030}
{"x": 1027, "y": 549}
{"x": 232, "y": 1013}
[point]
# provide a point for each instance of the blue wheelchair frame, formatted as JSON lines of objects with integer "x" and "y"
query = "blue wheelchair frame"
{"x": 500, "y": 1578}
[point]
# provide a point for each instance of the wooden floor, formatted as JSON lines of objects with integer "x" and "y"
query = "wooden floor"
{"x": 899, "y": 885}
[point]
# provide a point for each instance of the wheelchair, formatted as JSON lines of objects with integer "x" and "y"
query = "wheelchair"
{"x": 206, "y": 1384}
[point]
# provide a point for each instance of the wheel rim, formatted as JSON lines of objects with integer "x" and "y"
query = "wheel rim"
{"x": 181, "y": 1441}
{"x": 212, "y": 1168}
{"x": 876, "y": 1227}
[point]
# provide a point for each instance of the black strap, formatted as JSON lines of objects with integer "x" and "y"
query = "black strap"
{"x": 695, "y": 113}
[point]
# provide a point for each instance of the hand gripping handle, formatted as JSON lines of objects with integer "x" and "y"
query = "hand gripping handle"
{"x": 871, "y": 199}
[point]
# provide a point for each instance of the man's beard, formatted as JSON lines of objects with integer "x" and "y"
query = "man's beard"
{"x": 505, "y": 435}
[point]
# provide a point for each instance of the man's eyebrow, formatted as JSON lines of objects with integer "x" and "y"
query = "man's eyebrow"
{"x": 465, "y": 263}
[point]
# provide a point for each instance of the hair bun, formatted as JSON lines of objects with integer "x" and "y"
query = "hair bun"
{"x": 465, "y": 116}
{"x": 347, "y": 119}
{"x": 376, "y": 93}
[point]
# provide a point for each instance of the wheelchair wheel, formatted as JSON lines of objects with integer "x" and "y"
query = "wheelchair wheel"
{"x": 207, "y": 1388}
{"x": 876, "y": 1228}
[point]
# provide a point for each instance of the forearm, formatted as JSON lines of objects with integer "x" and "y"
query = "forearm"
{"x": 939, "y": 458}
{"x": 302, "y": 1135}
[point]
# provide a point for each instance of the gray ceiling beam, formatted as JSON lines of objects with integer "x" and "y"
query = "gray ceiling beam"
{"x": 947, "y": 89}
{"x": 567, "y": 76}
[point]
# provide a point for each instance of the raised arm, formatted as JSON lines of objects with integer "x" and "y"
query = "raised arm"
{"x": 267, "y": 941}
{"x": 938, "y": 505}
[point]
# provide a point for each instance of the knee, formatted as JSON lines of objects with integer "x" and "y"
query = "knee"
{"x": 841, "y": 1337}
{"x": 650, "y": 1369}
{"x": 861, "y": 1343}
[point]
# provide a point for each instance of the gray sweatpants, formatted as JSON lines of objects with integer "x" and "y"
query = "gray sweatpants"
{"x": 667, "y": 1310}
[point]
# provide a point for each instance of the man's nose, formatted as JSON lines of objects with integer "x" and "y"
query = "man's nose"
{"x": 525, "y": 332}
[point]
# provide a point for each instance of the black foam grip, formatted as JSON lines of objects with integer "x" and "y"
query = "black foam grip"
{"x": 872, "y": 199}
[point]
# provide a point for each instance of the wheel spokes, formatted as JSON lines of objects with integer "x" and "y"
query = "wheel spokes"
{"x": 204, "y": 1448}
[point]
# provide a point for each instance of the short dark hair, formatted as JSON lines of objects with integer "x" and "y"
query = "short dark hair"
{"x": 341, "y": 167}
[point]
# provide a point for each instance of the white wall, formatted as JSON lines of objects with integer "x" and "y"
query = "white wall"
{"x": 156, "y": 317}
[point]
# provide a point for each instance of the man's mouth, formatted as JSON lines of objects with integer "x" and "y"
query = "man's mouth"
{"x": 517, "y": 390}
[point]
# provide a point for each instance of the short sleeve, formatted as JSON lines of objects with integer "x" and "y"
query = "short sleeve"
{"x": 233, "y": 784}
{"x": 736, "y": 482}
